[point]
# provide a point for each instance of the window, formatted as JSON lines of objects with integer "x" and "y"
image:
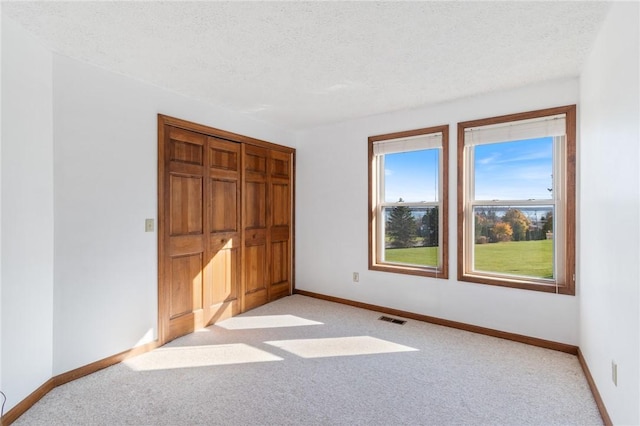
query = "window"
{"x": 516, "y": 200}
{"x": 408, "y": 202}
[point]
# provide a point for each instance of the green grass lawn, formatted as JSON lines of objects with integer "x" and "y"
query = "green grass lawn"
{"x": 424, "y": 256}
{"x": 525, "y": 258}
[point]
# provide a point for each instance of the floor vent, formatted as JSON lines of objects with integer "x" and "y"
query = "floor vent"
{"x": 393, "y": 320}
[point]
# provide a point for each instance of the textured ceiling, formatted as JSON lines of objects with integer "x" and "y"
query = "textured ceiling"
{"x": 303, "y": 64}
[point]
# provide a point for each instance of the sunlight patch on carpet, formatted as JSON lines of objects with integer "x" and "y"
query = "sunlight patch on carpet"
{"x": 199, "y": 356}
{"x": 265, "y": 321}
{"x": 339, "y": 346}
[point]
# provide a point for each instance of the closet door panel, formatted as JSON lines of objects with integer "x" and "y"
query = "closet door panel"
{"x": 185, "y": 211}
{"x": 255, "y": 223}
{"x": 186, "y": 284}
{"x": 223, "y": 216}
{"x": 184, "y": 252}
{"x": 255, "y": 195}
{"x": 225, "y": 267}
{"x": 223, "y": 271}
{"x": 280, "y": 224}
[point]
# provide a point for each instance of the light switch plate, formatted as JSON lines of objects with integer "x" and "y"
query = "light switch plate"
{"x": 148, "y": 225}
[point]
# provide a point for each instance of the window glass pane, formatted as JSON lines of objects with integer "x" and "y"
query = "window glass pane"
{"x": 411, "y": 176}
{"x": 519, "y": 170}
{"x": 514, "y": 240}
{"x": 411, "y": 235}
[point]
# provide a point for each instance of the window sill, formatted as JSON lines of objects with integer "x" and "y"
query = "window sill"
{"x": 410, "y": 270}
{"x": 543, "y": 286}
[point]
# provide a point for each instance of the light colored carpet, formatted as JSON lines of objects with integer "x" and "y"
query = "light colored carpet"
{"x": 303, "y": 361}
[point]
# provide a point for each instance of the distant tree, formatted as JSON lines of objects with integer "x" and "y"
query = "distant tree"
{"x": 484, "y": 221}
{"x": 401, "y": 226}
{"x": 502, "y": 231}
{"x": 547, "y": 224}
{"x": 519, "y": 223}
{"x": 430, "y": 228}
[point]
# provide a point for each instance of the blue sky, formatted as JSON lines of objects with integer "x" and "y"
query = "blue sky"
{"x": 411, "y": 176}
{"x": 518, "y": 170}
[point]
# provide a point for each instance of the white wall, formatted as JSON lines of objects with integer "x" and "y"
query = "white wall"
{"x": 79, "y": 156}
{"x": 331, "y": 223}
{"x": 27, "y": 213}
{"x": 105, "y": 138}
{"x": 609, "y": 212}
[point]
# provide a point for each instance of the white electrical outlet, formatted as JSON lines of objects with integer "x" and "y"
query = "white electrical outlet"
{"x": 356, "y": 277}
{"x": 614, "y": 372}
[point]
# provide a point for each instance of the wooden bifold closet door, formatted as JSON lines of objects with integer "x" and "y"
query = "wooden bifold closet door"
{"x": 267, "y": 221}
{"x": 224, "y": 225}
{"x": 280, "y": 223}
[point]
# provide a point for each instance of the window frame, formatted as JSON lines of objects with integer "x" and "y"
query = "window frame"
{"x": 441, "y": 271}
{"x": 566, "y": 285}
